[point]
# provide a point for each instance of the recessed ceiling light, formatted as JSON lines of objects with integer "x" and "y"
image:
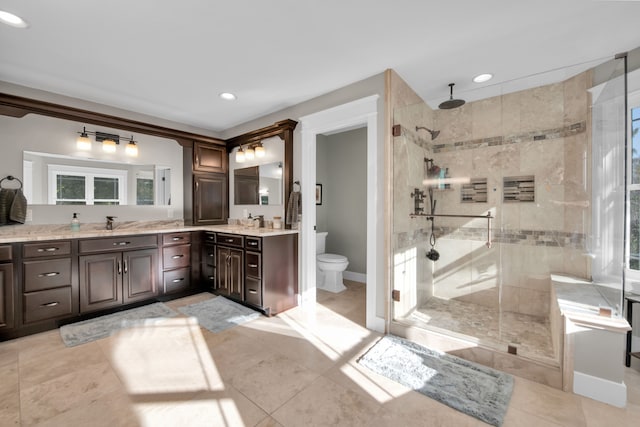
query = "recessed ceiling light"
{"x": 13, "y": 20}
{"x": 228, "y": 96}
{"x": 481, "y": 78}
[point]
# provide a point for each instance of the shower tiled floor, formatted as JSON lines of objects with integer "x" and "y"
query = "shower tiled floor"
{"x": 530, "y": 334}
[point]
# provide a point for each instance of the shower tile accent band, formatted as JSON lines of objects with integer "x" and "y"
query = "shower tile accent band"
{"x": 517, "y": 237}
{"x": 540, "y": 135}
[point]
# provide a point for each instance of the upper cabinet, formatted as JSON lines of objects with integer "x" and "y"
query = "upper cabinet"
{"x": 209, "y": 158}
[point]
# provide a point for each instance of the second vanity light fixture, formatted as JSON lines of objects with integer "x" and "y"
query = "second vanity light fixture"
{"x": 109, "y": 142}
{"x": 251, "y": 152}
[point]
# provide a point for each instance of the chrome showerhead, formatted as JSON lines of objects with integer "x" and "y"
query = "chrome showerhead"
{"x": 451, "y": 103}
{"x": 434, "y": 133}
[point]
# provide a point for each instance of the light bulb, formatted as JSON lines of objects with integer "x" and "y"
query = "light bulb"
{"x": 131, "y": 149}
{"x": 109, "y": 146}
{"x": 250, "y": 154}
{"x": 240, "y": 156}
{"x": 83, "y": 142}
{"x": 260, "y": 151}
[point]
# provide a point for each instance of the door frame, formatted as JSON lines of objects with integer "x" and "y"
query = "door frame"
{"x": 343, "y": 117}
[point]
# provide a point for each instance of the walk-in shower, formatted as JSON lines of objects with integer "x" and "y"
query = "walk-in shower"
{"x": 474, "y": 247}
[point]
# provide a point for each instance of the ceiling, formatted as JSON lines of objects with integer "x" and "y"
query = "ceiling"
{"x": 172, "y": 59}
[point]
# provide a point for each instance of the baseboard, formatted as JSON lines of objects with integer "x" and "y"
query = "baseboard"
{"x": 600, "y": 389}
{"x": 356, "y": 277}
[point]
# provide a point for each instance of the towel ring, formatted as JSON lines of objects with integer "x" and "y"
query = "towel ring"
{"x": 10, "y": 178}
{"x": 294, "y": 185}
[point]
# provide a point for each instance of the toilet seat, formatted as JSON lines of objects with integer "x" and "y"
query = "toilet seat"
{"x": 331, "y": 258}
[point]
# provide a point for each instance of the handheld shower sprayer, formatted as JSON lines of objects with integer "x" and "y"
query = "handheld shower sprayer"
{"x": 434, "y": 133}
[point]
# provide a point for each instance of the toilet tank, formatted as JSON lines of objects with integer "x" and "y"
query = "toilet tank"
{"x": 321, "y": 241}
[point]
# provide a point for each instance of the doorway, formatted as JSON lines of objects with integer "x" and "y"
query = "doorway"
{"x": 360, "y": 113}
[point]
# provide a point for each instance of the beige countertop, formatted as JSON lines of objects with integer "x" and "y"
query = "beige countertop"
{"x": 580, "y": 301}
{"x": 29, "y": 233}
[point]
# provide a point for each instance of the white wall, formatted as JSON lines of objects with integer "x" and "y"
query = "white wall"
{"x": 344, "y": 186}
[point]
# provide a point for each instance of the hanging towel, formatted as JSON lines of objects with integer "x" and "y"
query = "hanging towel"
{"x": 294, "y": 209}
{"x": 18, "y": 211}
{"x": 6, "y": 199}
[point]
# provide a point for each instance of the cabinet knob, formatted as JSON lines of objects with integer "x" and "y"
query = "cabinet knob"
{"x": 177, "y": 256}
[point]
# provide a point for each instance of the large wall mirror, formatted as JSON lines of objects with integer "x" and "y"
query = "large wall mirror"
{"x": 258, "y": 185}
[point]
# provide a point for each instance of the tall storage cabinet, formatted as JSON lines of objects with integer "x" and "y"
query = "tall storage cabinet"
{"x": 208, "y": 177}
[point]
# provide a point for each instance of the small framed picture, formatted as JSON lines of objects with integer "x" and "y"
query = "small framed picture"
{"x": 318, "y": 194}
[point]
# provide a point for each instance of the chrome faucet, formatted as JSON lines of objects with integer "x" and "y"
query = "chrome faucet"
{"x": 110, "y": 222}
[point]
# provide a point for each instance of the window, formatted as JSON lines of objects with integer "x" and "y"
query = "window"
{"x": 634, "y": 186}
{"x": 144, "y": 191}
{"x": 73, "y": 185}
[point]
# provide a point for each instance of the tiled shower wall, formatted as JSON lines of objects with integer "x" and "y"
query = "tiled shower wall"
{"x": 542, "y": 132}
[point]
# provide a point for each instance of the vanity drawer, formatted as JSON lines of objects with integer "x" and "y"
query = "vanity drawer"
{"x": 209, "y": 237}
{"x": 254, "y": 243}
{"x": 176, "y": 238}
{"x": 49, "y": 304}
{"x": 177, "y": 280}
{"x": 46, "y": 249}
{"x": 118, "y": 243}
{"x": 209, "y": 276}
{"x": 253, "y": 291}
{"x": 176, "y": 256}
{"x": 5, "y": 253}
{"x": 47, "y": 274}
{"x": 230, "y": 240}
{"x": 252, "y": 261}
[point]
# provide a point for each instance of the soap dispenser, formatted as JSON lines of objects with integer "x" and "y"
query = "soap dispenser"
{"x": 75, "y": 222}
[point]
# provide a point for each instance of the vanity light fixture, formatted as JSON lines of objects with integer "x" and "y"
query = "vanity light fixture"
{"x": 481, "y": 78}
{"x": 83, "y": 142}
{"x": 249, "y": 153}
{"x": 260, "y": 151}
{"x": 240, "y": 157}
{"x": 109, "y": 142}
{"x": 132, "y": 148}
{"x": 12, "y": 20}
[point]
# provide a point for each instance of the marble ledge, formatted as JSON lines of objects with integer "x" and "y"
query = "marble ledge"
{"x": 29, "y": 233}
{"x": 580, "y": 301}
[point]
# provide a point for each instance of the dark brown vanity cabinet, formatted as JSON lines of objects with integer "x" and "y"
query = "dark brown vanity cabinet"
{"x": 229, "y": 265}
{"x": 49, "y": 289}
{"x": 176, "y": 262}
{"x": 116, "y": 271}
{"x": 271, "y": 272}
{"x": 6, "y": 288}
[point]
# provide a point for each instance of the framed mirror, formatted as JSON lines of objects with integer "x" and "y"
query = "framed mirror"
{"x": 259, "y": 185}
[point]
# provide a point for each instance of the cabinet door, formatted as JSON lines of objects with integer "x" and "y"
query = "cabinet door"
{"x": 209, "y": 199}
{"x": 100, "y": 281}
{"x": 209, "y": 158}
{"x": 139, "y": 274}
{"x": 222, "y": 267}
{"x": 6, "y": 296}
{"x": 234, "y": 273}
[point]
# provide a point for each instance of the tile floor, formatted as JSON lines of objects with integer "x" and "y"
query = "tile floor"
{"x": 294, "y": 369}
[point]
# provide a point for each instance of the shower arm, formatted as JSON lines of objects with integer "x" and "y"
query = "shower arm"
{"x": 488, "y": 217}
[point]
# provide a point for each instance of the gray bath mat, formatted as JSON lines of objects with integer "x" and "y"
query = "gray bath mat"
{"x": 217, "y": 314}
{"x": 476, "y": 390}
{"x": 103, "y": 326}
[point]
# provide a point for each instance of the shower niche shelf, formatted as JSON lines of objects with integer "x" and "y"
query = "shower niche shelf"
{"x": 519, "y": 189}
{"x": 475, "y": 191}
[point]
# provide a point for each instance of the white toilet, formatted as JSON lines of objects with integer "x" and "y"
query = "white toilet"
{"x": 329, "y": 267}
